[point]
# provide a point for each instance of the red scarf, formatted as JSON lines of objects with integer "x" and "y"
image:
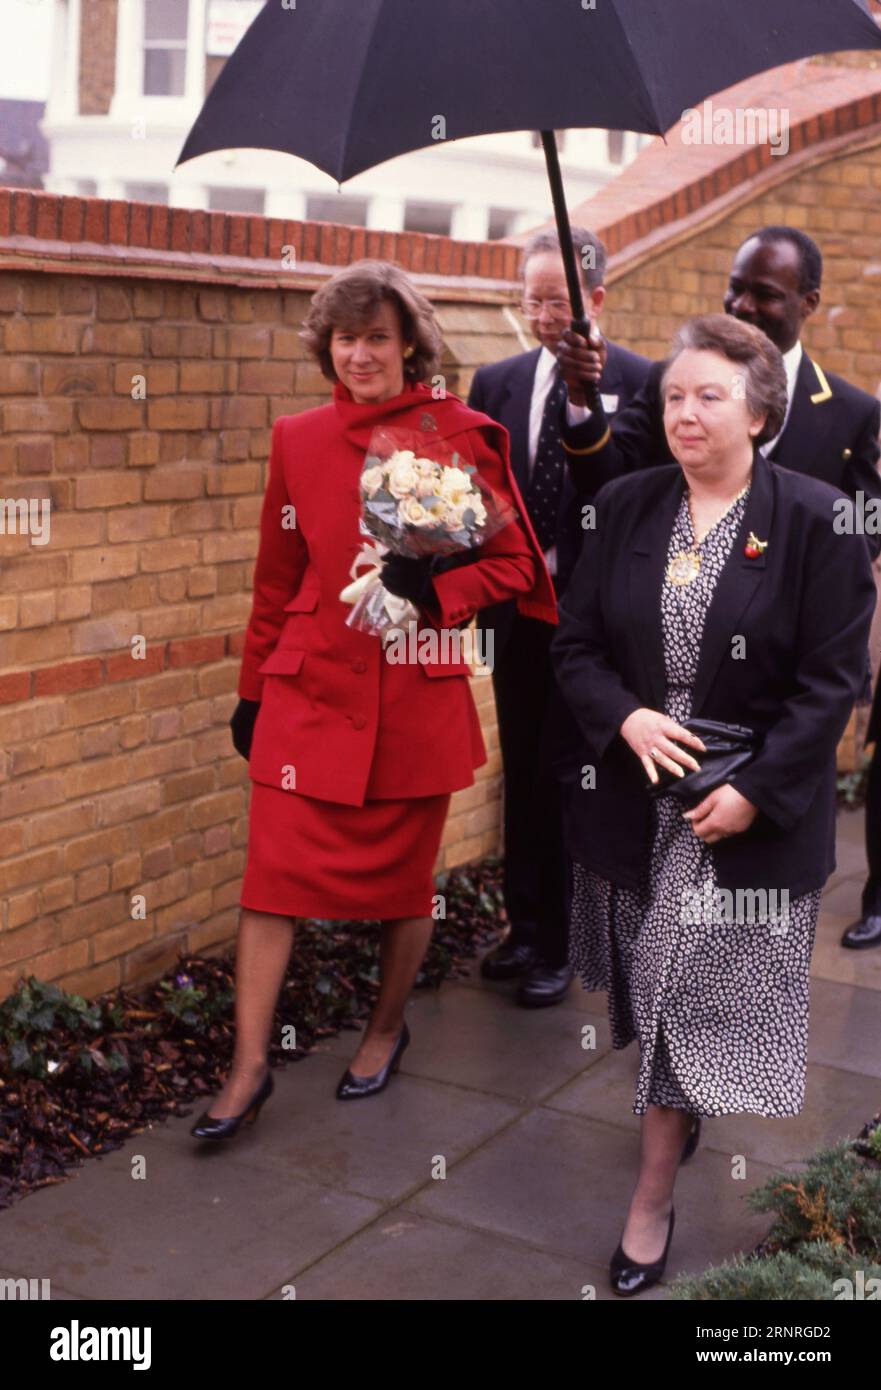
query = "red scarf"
{"x": 452, "y": 416}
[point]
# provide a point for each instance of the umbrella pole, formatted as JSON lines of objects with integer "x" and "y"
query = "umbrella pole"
{"x": 580, "y": 324}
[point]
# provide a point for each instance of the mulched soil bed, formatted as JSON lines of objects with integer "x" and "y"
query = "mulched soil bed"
{"x": 78, "y": 1078}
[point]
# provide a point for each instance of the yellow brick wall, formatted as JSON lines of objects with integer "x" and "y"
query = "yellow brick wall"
{"x": 838, "y": 203}
{"x": 110, "y": 785}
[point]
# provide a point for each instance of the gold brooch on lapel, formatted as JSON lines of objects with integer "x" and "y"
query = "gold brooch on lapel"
{"x": 754, "y": 547}
{"x": 427, "y": 422}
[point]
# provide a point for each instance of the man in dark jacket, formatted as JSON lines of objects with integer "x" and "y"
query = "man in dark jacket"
{"x": 525, "y": 393}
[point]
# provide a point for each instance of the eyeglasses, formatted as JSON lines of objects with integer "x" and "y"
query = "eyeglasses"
{"x": 557, "y": 308}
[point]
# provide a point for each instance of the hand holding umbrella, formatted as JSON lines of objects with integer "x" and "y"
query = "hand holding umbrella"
{"x": 581, "y": 364}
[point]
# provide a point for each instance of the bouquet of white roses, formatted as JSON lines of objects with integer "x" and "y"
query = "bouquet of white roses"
{"x": 418, "y": 498}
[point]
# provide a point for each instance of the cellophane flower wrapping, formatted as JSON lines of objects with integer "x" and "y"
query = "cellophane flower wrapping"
{"x": 418, "y": 497}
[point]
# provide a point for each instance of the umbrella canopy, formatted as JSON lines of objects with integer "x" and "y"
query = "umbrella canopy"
{"x": 347, "y": 84}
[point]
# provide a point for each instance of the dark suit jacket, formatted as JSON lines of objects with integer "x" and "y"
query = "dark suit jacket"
{"x": 832, "y": 433}
{"x": 804, "y": 608}
{"x": 503, "y": 390}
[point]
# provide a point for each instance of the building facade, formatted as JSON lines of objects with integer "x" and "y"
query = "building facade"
{"x": 129, "y": 78}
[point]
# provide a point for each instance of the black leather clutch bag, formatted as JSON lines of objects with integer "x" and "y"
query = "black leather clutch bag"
{"x": 729, "y": 748}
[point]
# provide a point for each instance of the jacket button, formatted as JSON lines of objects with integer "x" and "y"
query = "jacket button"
{"x": 359, "y": 722}
{"x": 359, "y": 667}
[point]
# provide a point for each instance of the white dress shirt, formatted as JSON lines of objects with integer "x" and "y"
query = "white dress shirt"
{"x": 541, "y": 389}
{"x": 792, "y": 362}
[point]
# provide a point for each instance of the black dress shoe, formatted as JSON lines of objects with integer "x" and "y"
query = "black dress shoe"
{"x": 692, "y": 1141}
{"x": 545, "y": 984}
{"x": 627, "y": 1277}
{"x": 353, "y": 1087}
{"x": 225, "y": 1126}
{"x": 508, "y": 961}
{"x": 863, "y": 934}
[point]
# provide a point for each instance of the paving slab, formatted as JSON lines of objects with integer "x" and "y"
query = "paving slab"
{"x": 832, "y": 961}
{"x": 56, "y": 1293}
{"x": 408, "y": 1257}
{"x": 843, "y": 895}
{"x": 220, "y": 1229}
{"x": 576, "y": 997}
{"x": 850, "y": 844}
{"x": 837, "y": 1105}
{"x": 563, "y": 1184}
{"x": 845, "y": 1031}
{"x": 538, "y": 1137}
{"x": 382, "y": 1147}
{"x": 485, "y": 1042}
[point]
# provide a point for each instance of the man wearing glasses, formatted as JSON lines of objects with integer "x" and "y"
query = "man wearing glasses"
{"x": 527, "y": 395}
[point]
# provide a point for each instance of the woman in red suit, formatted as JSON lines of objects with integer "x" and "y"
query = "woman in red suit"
{"x": 353, "y": 758}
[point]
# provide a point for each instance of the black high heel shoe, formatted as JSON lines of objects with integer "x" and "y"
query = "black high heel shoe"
{"x": 225, "y": 1126}
{"x": 628, "y": 1277}
{"x": 352, "y": 1087}
{"x": 691, "y": 1142}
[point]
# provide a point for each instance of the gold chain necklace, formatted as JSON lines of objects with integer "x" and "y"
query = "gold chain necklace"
{"x": 685, "y": 565}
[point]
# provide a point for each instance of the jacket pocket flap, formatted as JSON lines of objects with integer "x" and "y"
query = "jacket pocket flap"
{"x": 445, "y": 668}
{"x": 282, "y": 663}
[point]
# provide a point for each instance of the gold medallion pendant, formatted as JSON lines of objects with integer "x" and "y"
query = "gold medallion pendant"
{"x": 684, "y": 567}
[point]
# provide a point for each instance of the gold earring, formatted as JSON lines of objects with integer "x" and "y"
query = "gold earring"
{"x": 409, "y": 351}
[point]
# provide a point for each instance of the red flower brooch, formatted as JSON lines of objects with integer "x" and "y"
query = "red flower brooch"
{"x": 754, "y": 547}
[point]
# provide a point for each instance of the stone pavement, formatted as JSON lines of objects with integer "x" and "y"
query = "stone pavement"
{"x": 538, "y": 1137}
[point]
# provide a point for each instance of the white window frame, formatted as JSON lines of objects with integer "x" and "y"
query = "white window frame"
{"x": 166, "y": 46}
{"x": 129, "y": 100}
{"x": 63, "y": 100}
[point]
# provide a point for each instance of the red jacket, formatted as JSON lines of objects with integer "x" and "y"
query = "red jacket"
{"x": 337, "y": 720}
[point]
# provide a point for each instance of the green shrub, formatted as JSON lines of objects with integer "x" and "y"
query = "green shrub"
{"x": 836, "y": 1199}
{"x": 808, "y": 1274}
{"x": 29, "y": 1018}
{"x": 827, "y": 1226}
{"x": 181, "y": 999}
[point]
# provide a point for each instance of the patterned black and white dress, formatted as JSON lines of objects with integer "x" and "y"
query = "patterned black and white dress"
{"x": 719, "y": 1007}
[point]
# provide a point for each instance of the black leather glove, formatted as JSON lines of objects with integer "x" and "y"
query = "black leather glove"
{"x": 409, "y": 576}
{"x": 242, "y": 724}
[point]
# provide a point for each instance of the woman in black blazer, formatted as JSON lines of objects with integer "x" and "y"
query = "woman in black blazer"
{"x": 717, "y": 589}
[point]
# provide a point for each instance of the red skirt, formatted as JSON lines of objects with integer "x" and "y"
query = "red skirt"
{"x": 310, "y": 858}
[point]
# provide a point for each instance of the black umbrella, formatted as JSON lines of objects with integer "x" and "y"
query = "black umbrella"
{"x": 347, "y": 84}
